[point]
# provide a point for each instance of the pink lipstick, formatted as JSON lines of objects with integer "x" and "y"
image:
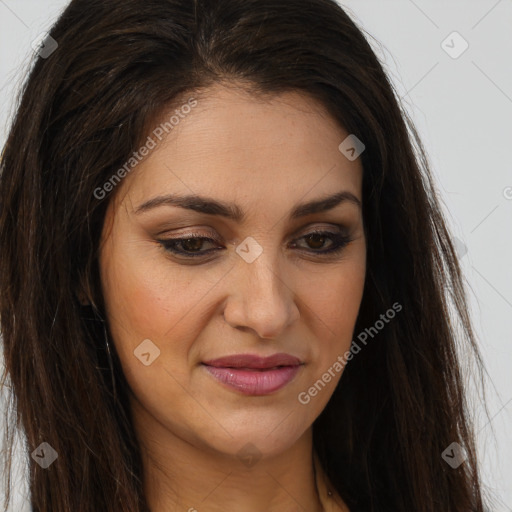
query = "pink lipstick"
{"x": 254, "y": 375}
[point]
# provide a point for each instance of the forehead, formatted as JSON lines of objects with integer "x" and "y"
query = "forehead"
{"x": 234, "y": 144}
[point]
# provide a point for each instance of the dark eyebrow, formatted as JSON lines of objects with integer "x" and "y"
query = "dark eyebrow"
{"x": 232, "y": 211}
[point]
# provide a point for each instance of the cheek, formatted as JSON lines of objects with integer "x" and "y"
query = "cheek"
{"x": 334, "y": 304}
{"x": 335, "y": 297}
{"x": 146, "y": 300}
{"x": 150, "y": 297}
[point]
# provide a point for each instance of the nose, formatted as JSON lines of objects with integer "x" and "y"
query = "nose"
{"x": 261, "y": 298}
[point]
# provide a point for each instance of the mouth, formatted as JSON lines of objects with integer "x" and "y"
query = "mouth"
{"x": 254, "y": 375}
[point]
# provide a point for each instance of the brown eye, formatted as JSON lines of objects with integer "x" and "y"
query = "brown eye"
{"x": 191, "y": 247}
{"x": 188, "y": 247}
{"x": 192, "y": 244}
{"x": 317, "y": 239}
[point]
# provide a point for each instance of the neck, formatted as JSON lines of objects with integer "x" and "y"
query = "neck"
{"x": 187, "y": 475}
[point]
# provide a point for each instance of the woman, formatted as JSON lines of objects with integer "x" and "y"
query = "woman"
{"x": 226, "y": 278}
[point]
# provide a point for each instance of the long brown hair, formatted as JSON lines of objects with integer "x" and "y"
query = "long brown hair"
{"x": 82, "y": 112}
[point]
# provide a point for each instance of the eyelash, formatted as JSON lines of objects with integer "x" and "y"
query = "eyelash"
{"x": 340, "y": 241}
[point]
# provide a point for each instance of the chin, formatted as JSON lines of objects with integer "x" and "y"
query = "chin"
{"x": 257, "y": 440}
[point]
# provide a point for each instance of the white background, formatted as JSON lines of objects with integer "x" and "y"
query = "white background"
{"x": 463, "y": 110}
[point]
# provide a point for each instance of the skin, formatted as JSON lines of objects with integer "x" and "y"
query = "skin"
{"x": 267, "y": 157}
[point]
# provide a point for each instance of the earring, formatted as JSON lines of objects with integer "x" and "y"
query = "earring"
{"x": 110, "y": 362}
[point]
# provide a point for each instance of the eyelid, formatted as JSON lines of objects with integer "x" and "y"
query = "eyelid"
{"x": 193, "y": 232}
{"x": 213, "y": 235}
{"x": 339, "y": 240}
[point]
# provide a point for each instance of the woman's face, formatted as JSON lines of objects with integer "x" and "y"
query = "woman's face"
{"x": 259, "y": 285}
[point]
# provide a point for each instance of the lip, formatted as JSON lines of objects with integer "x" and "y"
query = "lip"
{"x": 252, "y": 374}
{"x": 254, "y": 361}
